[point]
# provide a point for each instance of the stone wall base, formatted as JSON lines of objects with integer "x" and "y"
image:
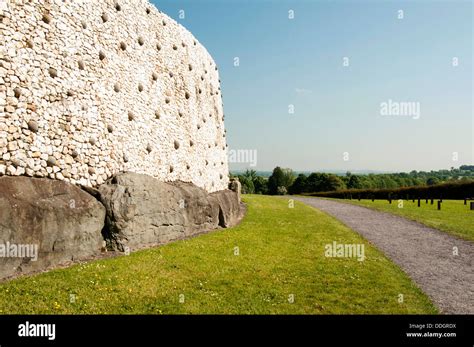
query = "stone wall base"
{"x": 48, "y": 223}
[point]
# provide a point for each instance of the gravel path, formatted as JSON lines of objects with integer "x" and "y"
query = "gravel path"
{"x": 424, "y": 253}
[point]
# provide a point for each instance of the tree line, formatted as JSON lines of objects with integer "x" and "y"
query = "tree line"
{"x": 285, "y": 181}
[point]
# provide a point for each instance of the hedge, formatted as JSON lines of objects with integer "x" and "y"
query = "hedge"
{"x": 450, "y": 191}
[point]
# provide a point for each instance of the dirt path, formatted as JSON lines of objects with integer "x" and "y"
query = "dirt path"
{"x": 424, "y": 253}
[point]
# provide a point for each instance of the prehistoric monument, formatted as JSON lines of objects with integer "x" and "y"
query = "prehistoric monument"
{"x": 92, "y": 88}
{"x": 111, "y": 132}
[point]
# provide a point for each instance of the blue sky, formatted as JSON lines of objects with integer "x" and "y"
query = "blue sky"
{"x": 337, "y": 122}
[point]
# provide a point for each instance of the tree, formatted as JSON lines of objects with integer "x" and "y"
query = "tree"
{"x": 334, "y": 183}
{"x": 280, "y": 178}
{"x": 288, "y": 178}
{"x": 313, "y": 182}
{"x": 273, "y": 181}
{"x": 432, "y": 181}
{"x": 299, "y": 185}
{"x": 254, "y": 184}
{"x": 261, "y": 185}
{"x": 250, "y": 174}
{"x": 247, "y": 185}
{"x": 354, "y": 182}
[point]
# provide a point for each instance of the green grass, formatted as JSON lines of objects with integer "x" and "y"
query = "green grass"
{"x": 281, "y": 253}
{"x": 454, "y": 217}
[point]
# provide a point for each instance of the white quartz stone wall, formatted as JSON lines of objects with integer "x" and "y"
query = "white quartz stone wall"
{"x": 91, "y": 88}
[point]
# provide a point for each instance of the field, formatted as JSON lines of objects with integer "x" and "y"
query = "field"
{"x": 454, "y": 217}
{"x": 272, "y": 263}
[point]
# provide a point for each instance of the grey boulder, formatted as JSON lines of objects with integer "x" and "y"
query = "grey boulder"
{"x": 143, "y": 211}
{"x": 60, "y": 220}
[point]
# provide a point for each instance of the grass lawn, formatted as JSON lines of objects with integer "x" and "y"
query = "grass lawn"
{"x": 454, "y": 217}
{"x": 280, "y": 257}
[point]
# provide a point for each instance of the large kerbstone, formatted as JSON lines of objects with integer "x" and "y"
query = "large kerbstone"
{"x": 236, "y": 187}
{"x": 61, "y": 220}
{"x": 229, "y": 207}
{"x": 143, "y": 211}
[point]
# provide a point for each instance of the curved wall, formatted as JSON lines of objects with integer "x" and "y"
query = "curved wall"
{"x": 92, "y": 88}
